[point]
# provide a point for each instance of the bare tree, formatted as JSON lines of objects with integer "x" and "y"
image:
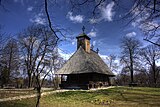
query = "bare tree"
{"x": 141, "y": 77}
{"x": 145, "y": 14}
{"x": 27, "y": 41}
{"x": 130, "y": 48}
{"x": 2, "y": 74}
{"x": 123, "y": 77}
{"x": 58, "y": 63}
{"x": 37, "y": 45}
{"x": 10, "y": 60}
{"x": 150, "y": 55}
{"x": 113, "y": 65}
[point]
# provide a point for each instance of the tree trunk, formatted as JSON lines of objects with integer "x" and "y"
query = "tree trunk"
{"x": 131, "y": 67}
{"x": 154, "y": 74}
{"x": 2, "y": 85}
{"x": 33, "y": 80}
{"x": 38, "y": 96}
{"x": 29, "y": 80}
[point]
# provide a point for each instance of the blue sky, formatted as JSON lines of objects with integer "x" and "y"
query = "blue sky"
{"x": 105, "y": 31}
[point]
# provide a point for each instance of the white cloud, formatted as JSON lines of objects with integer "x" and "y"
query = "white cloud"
{"x": 131, "y": 34}
{"x": 158, "y": 62}
{"x": 30, "y": 8}
{"x": 104, "y": 58}
{"x": 38, "y": 19}
{"x": 107, "y": 11}
{"x": 94, "y": 43}
{"x": 92, "y": 33}
{"x": 64, "y": 55}
{"x": 134, "y": 24}
{"x": 93, "y": 20}
{"x": 76, "y": 18}
{"x": 74, "y": 41}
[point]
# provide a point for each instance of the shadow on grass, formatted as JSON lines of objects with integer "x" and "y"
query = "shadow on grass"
{"x": 142, "y": 96}
{"x": 31, "y": 102}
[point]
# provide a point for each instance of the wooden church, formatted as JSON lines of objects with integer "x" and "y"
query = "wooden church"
{"x": 85, "y": 69}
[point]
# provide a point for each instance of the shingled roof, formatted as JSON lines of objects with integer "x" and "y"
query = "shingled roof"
{"x": 84, "y": 62}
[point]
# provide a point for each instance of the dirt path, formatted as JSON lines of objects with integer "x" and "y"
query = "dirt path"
{"x": 30, "y": 96}
{"x": 46, "y": 93}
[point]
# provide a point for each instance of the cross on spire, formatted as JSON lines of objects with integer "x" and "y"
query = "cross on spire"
{"x": 83, "y": 28}
{"x": 97, "y": 50}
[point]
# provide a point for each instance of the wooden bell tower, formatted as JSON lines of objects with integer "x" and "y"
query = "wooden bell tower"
{"x": 84, "y": 41}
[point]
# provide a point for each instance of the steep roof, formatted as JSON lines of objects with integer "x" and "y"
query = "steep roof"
{"x": 83, "y": 62}
{"x": 83, "y": 35}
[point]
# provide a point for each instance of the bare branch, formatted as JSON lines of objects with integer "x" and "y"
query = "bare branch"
{"x": 152, "y": 42}
{"x": 98, "y": 4}
{"x": 49, "y": 21}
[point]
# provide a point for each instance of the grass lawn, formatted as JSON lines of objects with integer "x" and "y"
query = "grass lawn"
{"x": 114, "y": 97}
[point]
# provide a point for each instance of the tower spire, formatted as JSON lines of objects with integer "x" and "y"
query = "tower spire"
{"x": 97, "y": 50}
{"x": 84, "y": 41}
{"x": 83, "y": 28}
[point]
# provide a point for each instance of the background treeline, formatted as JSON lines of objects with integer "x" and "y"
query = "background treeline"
{"x": 29, "y": 58}
{"x": 138, "y": 63}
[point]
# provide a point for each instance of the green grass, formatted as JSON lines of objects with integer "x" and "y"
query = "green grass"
{"x": 114, "y": 97}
